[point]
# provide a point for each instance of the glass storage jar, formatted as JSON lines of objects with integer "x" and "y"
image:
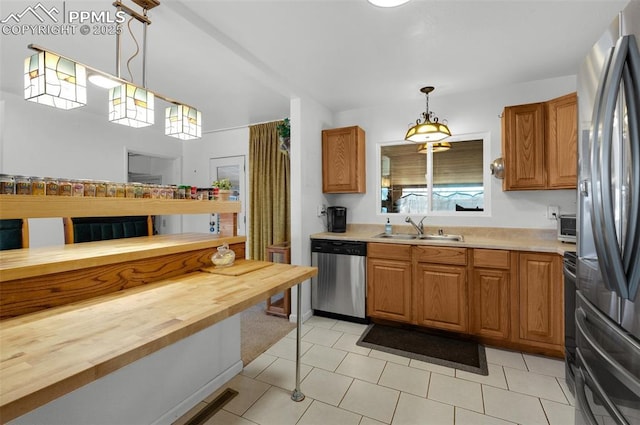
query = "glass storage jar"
{"x": 101, "y": 189}
{"x": 65, "y": 187}
{"x": 23, "y": 185}
{"x": 112, "y": 189}
{"x": 121, "y": 190}
{"x": 77, "y": 188}
{"x": 224, "y": 257}
{"x": 7, "y": 184}
{"x": 52, "y": 186}
{"x": 89, "y": 188}
{"x": 138, "y": 190}
{"x": 38, "y": 187}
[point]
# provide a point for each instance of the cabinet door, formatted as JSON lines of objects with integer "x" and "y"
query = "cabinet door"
{"x": 489, "y": 305}
{"x": 441, "y": 297}
{"x": 540, "y": 296}
{"x": 562, "y": 142}
{"x": 523, "y": 147}
{"x": 389, "y": 289}
{"x": 343, "y": 160}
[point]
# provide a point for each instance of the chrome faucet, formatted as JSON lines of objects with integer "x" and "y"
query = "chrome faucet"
{"x": 419, "y": 227}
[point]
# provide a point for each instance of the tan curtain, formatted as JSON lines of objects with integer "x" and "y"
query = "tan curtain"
{"x": 270, "y": 199}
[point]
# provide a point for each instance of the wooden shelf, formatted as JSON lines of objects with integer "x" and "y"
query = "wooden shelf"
{"x": 27, "y": 206}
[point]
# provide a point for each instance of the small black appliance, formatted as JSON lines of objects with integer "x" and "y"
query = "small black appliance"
{"x": 337, "y": 219}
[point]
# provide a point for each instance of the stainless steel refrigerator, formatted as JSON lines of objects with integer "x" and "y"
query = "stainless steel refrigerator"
{"x": 607, "y": 312}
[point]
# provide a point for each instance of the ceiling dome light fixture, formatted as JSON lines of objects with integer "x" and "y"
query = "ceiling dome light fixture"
{"x": 425, "y": 130}
{"x": 387, "y": 3}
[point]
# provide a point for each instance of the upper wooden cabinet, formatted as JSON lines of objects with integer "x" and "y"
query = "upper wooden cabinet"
{"x": 539, "y": 145}
{"x": 343, "y": 160}
{"x": 523, "y": 147}
{"x": 562, "y": 142}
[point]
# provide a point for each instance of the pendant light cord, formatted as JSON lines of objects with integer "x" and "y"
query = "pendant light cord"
{"x": 137, "y": 49}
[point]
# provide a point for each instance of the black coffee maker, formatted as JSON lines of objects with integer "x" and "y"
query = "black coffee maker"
{"x": 337, "y": 219}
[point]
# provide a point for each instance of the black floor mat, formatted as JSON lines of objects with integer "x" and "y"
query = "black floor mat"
{"x": 428, "y": 347}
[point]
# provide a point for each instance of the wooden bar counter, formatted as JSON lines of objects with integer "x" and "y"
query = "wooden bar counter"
{"x": 49, "y": 353}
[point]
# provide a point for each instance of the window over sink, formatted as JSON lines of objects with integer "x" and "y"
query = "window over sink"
{"x": 450, "y": 182}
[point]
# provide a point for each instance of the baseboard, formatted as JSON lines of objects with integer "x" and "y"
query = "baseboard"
{"x": 305, "y": 316}
{"x": 191, "y": 401}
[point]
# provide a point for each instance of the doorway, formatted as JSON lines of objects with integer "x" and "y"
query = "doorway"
{"x": 147, "y": 168}
{"x": 232, "y": 168}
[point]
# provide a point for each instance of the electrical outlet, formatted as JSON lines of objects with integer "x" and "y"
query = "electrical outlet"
{"x": 321, "y": 210}
{"x": 553, "y": 212}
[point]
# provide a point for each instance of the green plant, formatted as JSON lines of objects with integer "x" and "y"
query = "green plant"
{"x": 284, "y": 128}
{"x": 224, "y": 184}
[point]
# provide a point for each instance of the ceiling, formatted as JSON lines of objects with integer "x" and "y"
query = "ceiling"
{"x": 240, "y": 61}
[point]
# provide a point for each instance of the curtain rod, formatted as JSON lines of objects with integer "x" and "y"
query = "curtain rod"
{"x": 237, "y": 127}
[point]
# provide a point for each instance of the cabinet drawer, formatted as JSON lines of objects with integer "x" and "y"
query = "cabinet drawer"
{"x": 389, "y": 251}
{"x": 491, "y": 258}
{"x": 440, "y": 255}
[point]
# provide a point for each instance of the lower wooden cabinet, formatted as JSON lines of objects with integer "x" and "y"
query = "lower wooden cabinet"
{"x": 441, "y": 297}
{"x": 389, "y": 282}
{"x": 505, "y": 298}
{"x": 539, "y": 295}
{"x": 490, "y": 293}
{"x": 440, "y": 280}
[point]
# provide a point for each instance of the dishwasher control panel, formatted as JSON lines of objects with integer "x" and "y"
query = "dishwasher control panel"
{"x": 339, "y": 247}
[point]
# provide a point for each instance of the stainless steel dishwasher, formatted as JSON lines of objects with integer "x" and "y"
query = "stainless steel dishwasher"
{"x": 340, "y": 288}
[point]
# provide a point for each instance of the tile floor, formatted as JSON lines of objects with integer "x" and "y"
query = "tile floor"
{"x": 345, "y": 384}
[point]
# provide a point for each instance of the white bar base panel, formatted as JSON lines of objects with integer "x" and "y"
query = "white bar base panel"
{"x": 156, "y": 389}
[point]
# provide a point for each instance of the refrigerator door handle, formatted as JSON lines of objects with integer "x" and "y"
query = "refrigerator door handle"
{"x": 582, "y": 382}
{"x": 631, "y": 79}
{"x": 615, "y": 368}
{"x": 609, "y": 252}
{"x": 582, "y": 399}
{"x": 596, "y": 163}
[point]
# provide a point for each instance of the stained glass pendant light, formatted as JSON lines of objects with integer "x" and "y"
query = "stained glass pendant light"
{"x": 55, "y": 81}
{"x": 183, "y": 122}
{"x": 425, "y": 129}
{"x": 131, "y": 105}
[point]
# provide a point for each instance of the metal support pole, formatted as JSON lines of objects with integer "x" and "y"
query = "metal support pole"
{"x": 297, "y": 394}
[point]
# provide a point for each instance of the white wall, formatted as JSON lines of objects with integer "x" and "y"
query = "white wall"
{"x": 308, "y": 119}
{"x": 475, "y": 112}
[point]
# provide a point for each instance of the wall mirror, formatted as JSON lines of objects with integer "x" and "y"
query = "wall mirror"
{"x": 428, "y": 181}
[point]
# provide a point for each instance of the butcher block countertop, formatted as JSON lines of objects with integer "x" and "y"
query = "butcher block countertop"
{"x": 23, "y": 263}
{"x": 47, "y": 354}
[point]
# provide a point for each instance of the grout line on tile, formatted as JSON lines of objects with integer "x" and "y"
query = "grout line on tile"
{"x": 546, "y": 416}
{"x": 313, "y": 400}
{"x": 563, "y": 392}
{"x": 484, "y": 409}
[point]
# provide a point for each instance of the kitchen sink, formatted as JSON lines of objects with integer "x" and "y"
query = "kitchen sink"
{"x": 457, "y": 238}
{"x": 405, "y": 236}
{"x": 426, "y": 237}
